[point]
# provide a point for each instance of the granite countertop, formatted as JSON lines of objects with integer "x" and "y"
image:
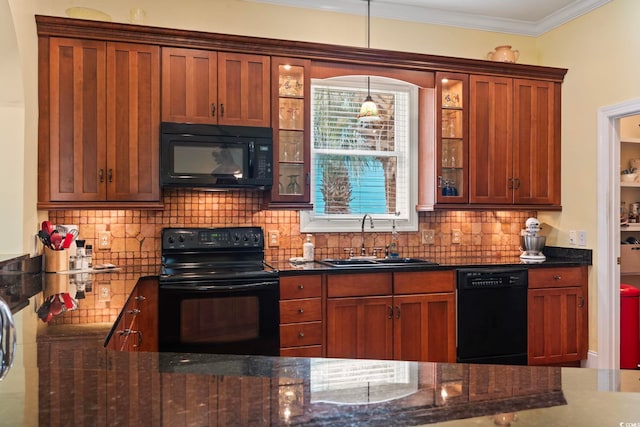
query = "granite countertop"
{"x": 120, "y": 388}
{"x": 556, "y": 257}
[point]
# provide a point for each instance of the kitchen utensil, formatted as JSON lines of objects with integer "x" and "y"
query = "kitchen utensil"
{"x": 62, "y": 229}
{"x": 45, "y": 238}
{"x": 56, "y": 240}
{"x": 46, "y": 226}
{"x": 68, "y": 239}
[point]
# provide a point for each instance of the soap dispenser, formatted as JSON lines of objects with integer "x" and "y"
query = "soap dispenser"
{"x": 308, "y": 249}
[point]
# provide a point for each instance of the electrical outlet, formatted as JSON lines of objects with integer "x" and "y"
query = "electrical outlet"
{"x": 104, "y": 294}
{"x": 582, "y": 238}
{"x": 428, "y": 237}
{"x": 456, "y": 236}
{"x": 573, "y": 237}
{"x": 104, "y": 240}
{"x": 274, "y": 238}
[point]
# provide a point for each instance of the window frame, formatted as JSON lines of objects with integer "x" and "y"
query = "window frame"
{"x": 309, "y": 223}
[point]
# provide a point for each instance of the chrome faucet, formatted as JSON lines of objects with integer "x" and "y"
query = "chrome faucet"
{"x": 364, "y": 218}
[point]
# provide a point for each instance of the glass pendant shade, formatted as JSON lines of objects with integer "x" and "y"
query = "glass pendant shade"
{"x": 368, "y": 110}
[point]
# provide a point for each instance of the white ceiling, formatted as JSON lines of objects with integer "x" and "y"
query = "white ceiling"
{"x": 525, "y": 17}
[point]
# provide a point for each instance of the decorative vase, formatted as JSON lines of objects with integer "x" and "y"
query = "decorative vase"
{"x": 504, "y": 54}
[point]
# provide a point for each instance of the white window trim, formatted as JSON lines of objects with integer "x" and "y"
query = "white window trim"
{"x": 383, "y": 223}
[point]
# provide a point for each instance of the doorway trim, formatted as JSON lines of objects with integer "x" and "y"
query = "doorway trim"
{"x": 608, "y": 217}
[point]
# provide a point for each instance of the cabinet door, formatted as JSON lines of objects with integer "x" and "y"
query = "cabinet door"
{"x": 133, "y": 114}
{"x": 290, "y": 98}
{"x": 452, "y": 136}
{"x": 536, "y": 149}
{"x": 425, "y": 328}
{"x": 360, "y": 328}
{"x": 243, "y": 90}
{"x": 490, "y": 140}
{"x": 77, "y": 122}
{"x": 557, "y": 318}
{"x": 189, "y": 85}
{"x": 147, "y": 322}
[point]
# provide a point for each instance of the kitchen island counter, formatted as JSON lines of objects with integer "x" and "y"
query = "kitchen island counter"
{"x": 121, "y": 388}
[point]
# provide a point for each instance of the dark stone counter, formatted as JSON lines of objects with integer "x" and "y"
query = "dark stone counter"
{"x": 120, "y": 388}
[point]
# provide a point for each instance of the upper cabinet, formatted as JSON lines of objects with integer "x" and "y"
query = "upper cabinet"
{"x": 291, "y": 101}
{"x": 489, "y": 132}
{"x": 514, "y": 148}
{"x": 202, "y": 86}
{"x": 452, "y": 162}
{"x": 99, "y": 123}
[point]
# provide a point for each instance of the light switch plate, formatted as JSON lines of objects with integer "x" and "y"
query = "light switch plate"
{"x": 456, "y": 237}
{"x": 428, "y": 237}
{"x": 274, "y": 238}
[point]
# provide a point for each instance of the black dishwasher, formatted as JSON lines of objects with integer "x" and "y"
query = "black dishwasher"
{"x": 492, "y": 315}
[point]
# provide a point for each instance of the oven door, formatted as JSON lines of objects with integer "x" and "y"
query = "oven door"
{"x": 241, "y": 318}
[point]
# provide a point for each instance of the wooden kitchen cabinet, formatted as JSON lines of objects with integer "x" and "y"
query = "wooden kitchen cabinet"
{"x": 204, "y": 86}
{"x": 403, "y": 316}
{"x": 99, "y": 124}
{"x": 452, "y": 163}
{"x": 301, "y": 320}
{"x": 291, "y": 99}
{"x": 557, "y": 315}
{"x": 514, "y": 150}
{"x": 137, "y": 326}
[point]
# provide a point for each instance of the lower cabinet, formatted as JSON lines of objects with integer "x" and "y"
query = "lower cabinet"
{"x": 137, "y": 326}
{"x": 557, "y": 315}
{"x": 403, "y": 316}
{"x": 301, "y": 316}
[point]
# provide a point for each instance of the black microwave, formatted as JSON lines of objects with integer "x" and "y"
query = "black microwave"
{"x": 215, "y": 156}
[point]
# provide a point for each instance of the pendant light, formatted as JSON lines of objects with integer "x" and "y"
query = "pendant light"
{"x": 369, "y": 109}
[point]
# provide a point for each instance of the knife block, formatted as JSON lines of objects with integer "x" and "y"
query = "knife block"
{"x": 55, "y": 261}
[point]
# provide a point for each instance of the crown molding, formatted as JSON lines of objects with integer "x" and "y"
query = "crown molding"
{"x": 427, "y": 15}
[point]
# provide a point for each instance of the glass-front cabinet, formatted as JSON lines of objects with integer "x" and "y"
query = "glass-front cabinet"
{"x": 290, "y": 122}
{"x": 452, "y": 138}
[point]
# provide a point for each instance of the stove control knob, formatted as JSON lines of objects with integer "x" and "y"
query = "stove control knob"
{"x": 171, "y": 240}
{"x": 236, "y": 237}
{"x": 245, "y": 237}
{"x": 181, "y": 238}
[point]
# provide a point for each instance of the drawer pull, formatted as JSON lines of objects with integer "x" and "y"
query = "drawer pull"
{"x": 140, "y": 298}
{"x": 300, "y": 286}
{"x": 301, "y": 334}
{"x": 133, "y": 311}
{"x": 557, "y": 277}
{"x": 301, "y": 310}
{"x": 390, "y": 308}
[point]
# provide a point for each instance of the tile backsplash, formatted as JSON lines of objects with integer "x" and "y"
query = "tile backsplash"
{"x": 135, "y": 234}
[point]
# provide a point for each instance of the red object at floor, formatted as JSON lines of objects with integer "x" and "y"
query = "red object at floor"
{"x": 629, "y": 327}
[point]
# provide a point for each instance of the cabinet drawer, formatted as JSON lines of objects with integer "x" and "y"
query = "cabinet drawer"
{"x": 308, "y": 351}
{"x": 629, "y": 258}
{"x": 300, "y": 287}
{"x": 557, "y": 277}
{"x": 300, "y": 310}
{"x": 299, "y": 334}
{"x": 423, "y": 282}
{"x": 359, "y": 284}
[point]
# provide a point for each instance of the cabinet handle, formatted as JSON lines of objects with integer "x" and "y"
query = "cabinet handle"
{"x": 517, "y": 183}
{"x": 440, "y": 181}
{"x": 581, "y": 303}
{"x": 390, "y": 308}
{"x": 134, "y": 311}
{"x": 139, "y": 333}
{"x": 213, "y": 109}
{"x": 101, "y": 175}
{"x": 308, "y": 178}
{"x": 221, "y": 110}
{"x": 140, "y": 298}
{"x": 301, "y": 310}
{"x": 397, "y": 311}
{"x": 301, "y": 334}
{"x": 510, "y": 183}
{"x": 300, "y": 286}
{"x": 110, "y": 175}
{"x": 557, "y": 277}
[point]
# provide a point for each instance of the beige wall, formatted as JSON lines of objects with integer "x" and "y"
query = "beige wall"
{"x": 600, "y": 49}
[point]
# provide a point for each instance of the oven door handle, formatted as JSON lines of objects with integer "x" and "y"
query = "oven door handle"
{"x": 225, "y": 288}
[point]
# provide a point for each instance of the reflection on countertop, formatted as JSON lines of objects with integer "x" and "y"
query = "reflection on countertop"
{"x": 20, "y": 279}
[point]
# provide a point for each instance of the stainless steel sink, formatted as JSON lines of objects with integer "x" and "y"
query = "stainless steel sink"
{"x": 359, "y": 262}
{"x": 348, "y": 262}
{"x": 404, "y": 261}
